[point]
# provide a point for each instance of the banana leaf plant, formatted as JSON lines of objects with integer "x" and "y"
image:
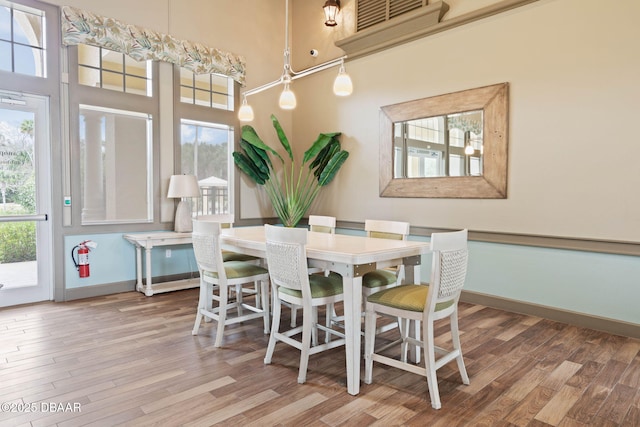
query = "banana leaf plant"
{"x": 294, "y": 191}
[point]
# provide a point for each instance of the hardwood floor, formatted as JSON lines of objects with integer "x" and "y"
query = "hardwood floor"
{"x": 131, "y": 360}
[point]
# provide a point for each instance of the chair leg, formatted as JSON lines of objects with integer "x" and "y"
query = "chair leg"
{"x": 263, "y": 286}
{"x": 275, "y": 326}
{"x": 430, "y": 364}
{"x": 369, "y": 343}
{"x": 202, "y": 302}
{"x": 403, "y": 327}
{"x": 294, "y": 314}
{"x": 239, "y": 300}
{"x": 314, "y": 328}
{"x": 330, "y": 313}
{"x": 222, "y": 314}
{"x": 455, "y": 337}
{"x": 258, "y": 293}
{"x": 308, "y": 325}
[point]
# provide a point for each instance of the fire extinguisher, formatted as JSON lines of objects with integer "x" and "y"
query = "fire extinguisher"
{"x": 82, "y": 261}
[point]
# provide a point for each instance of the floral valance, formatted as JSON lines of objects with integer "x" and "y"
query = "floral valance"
{"x": 79, "y": 26}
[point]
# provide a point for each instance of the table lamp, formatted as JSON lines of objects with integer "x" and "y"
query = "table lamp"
{"x": 180, "y": 187}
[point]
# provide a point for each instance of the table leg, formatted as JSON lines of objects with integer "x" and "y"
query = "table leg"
{"x": 149, "y": 290}
{"x": 139, "y": 286}
{"x": 352, "y": 287}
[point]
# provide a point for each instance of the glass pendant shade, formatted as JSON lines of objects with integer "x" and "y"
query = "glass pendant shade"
{"x": 287, "y": 99}
{"x": 245, "y": 114}
{"x": 342, "y": 85}
{"x": 468, "y": 150}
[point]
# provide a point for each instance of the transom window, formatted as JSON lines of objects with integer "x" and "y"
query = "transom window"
{"x": 22, "y": 45}
{"x": 106, "y": 69}
{"x": 208, "y": 90}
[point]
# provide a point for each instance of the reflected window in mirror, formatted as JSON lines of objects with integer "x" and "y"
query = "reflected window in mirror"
{"x": 448, "y": 145}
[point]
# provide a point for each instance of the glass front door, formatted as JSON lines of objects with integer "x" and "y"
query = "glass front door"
{"x": 25, "y": 232}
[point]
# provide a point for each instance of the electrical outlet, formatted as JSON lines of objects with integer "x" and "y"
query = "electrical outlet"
{"x": 167, "y": 253}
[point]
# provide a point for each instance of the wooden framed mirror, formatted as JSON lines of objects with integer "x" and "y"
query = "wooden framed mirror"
{"x": 446, "y": 146}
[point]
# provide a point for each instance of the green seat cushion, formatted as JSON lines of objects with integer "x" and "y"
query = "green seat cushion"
{"x": 235, "y": 256}
{"x": 377, "y": 278}
{"x": 320, "y": 285}
{"x": 406, "y": 297}
{"x": 238, "y": 269}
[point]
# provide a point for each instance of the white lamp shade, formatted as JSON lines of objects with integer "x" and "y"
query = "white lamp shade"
{"x": 287, "y": 99}
{"x": 183, "y": 186}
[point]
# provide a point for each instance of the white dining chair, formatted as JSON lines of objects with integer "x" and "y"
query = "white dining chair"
{"x": 291, "y": 283}
{"x": 379, "y": 279}
{"x": 317, "y": 224}
{"x": 322, "y": 224}
{"x": 218, "y": 277}
{"x": 226, "y": 221}
{"x": 425, "y": 304}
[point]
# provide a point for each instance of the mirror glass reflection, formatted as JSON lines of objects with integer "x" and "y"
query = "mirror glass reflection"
{"x": 439, "y": 146}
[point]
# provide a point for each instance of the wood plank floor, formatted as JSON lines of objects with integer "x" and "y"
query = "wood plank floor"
{"x": 131, "y": 360}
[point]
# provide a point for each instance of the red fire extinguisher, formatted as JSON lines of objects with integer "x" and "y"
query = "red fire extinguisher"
{"x": 82, "y": 261}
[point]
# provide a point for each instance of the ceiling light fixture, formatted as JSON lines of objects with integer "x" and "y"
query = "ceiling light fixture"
{"x": 341, "y": 87}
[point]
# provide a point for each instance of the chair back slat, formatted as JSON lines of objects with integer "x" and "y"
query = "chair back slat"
{"x": 449, "y": 267}
{"x": 286, "y": 256}
{"x": 206, "y": 246}
{"x": 396, "y": 230}
{"x": 322, "y": 224}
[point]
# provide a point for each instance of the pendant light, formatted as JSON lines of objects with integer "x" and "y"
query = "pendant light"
{"x": 245, "y": 113}
{"x": 342, "y": 85}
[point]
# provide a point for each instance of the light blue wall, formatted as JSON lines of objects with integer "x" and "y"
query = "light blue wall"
{"x": 114, "y": 260}
{"x": 596, "y": 284}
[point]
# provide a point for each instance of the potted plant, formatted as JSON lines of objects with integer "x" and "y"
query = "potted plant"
{"x": 293, "y": 192}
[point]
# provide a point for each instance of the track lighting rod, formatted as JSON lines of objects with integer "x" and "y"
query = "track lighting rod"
{"x": 296, "y": 75}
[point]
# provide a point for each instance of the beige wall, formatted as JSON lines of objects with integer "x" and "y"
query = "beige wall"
{"x": 573, "y": 67}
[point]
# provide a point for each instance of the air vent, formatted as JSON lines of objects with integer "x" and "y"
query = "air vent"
{"x": 371, "y": 12}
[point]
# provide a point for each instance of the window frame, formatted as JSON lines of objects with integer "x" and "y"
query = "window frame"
{"x": 207, "y": 114}
{"x": 80, "y": 94}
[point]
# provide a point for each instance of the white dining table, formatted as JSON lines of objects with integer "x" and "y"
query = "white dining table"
{"x": 351, "y": 257}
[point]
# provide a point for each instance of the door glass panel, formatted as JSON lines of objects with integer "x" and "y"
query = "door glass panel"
{"x": 18, "y": 265}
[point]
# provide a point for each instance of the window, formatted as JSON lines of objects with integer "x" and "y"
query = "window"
{"x": 205, "y": 152}
{"x": 22, "y": 46}
{"x": 106, "y": 69}
{"x": 114, "y": 130}
{"x": 208, "y": 90}
{"x": 204, "y": 112}
{"x": 115, "y": 145}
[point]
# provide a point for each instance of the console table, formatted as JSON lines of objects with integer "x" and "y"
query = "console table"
{"x": 148, "y": 241}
